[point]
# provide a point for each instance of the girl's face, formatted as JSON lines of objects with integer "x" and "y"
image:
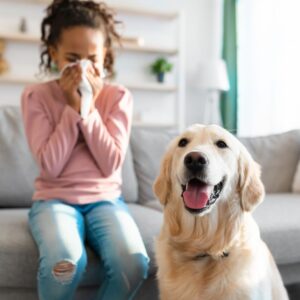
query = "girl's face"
{"x": 79, "y": 42}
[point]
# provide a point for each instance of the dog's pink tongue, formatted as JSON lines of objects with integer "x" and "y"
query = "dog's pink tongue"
{"x": 196, "y": 196}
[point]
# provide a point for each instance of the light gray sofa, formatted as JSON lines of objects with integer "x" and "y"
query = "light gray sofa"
{"x": 278, "y": 216}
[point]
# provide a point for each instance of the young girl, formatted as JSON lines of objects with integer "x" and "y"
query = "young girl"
{"x": 78, "y": 191}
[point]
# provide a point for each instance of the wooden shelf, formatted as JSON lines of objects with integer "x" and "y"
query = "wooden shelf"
{"x": 164, "y": 15}
{"x": 152, "y": 125}
{"x": 30, "y": 38}
{"x": 154, "y": 87}
{"x": 8, "y": 78}
{"x": 19, "y": 37}
{"x": 148, "y": 49}
{"x": 144, "y": 12}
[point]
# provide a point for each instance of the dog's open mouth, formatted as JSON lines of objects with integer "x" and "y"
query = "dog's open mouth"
{"x": 198, "y": 196}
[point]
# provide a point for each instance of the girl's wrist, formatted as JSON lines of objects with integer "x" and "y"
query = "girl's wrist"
{"x": 74, "y": 103}
{"x": 76, "y": 108}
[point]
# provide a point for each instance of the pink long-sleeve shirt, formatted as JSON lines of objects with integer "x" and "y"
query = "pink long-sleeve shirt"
{"x": 79, "y": 160}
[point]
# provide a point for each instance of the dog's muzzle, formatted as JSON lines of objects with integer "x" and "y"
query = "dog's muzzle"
{"x": 199, "y": 196}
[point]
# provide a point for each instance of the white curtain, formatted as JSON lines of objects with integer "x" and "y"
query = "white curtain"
{"x": 268, "y": 66}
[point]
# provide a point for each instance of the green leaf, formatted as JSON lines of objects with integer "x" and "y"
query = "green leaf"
{"x": 161, "y": 65}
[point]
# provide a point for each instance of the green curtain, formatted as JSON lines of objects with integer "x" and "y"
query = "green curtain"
{"x": 229, "y": 103}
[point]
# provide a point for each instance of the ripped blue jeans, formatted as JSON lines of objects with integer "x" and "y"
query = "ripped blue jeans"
{"x": 60, "y": 231}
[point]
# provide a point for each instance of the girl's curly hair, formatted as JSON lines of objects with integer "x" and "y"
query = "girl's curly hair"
{"x": 62, "y": 14}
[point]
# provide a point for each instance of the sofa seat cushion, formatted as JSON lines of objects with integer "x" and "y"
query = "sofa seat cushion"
{"x": 19, "y": 254}
{"x": 278, "y": 217}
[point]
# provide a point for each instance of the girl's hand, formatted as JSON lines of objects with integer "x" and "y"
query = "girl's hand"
{"x": 69, "y": 83}
{"x": 94, "y": 77}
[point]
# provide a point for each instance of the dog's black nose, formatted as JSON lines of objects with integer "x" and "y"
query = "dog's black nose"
{"x": 195, "y": 161}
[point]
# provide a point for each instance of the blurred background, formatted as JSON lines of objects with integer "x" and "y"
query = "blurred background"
{"x": 184, "y": 33}
{"x": 234, "y": 63}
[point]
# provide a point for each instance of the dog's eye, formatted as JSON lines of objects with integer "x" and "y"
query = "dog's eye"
{"x": 183, "y": 142}
{"x": 221, "y": 144}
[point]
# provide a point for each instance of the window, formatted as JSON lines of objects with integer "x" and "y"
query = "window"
{"x": 268, "y": 66}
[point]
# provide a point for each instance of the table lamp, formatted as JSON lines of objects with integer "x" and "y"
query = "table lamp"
{"x": 213, "y": 78}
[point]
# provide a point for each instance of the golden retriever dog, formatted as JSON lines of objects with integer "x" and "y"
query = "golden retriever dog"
{"x": 209, "y": 247}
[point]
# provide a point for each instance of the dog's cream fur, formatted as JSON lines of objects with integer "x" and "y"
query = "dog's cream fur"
{"x": 249, "y": 272}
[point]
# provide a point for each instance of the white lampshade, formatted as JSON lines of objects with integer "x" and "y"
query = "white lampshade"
{"x": 213, "y": 75}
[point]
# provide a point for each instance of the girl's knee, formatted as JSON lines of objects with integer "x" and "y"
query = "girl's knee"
{"x": 131, "y": 272}
{"x": 63, "y": 271}
{"x": 135, "y": 272}
{"x": 140, "y": 266}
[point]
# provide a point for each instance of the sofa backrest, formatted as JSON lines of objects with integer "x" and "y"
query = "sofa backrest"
{"x": 278, "y": 155}
{"x": 18, "y": 168}
{"x": 148, "y": 147}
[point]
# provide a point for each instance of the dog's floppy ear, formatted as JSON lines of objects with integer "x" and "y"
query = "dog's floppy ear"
{"x": 162, "y": 184}
{"x": 251, "y": 188}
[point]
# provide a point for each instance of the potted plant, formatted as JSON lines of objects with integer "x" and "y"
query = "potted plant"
{"x": 160, "y": 67}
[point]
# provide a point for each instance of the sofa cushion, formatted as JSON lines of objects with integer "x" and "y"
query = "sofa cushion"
{"x": 278, "y": 156}
{"x": 129, "y": 180}
{"x": 296, "y": 180}
{"x": 19, "y": 254}
{"x": 18, "y": 168}
{"x": 278, "y": 218}
{"x": 149, "y": 222}
{"x": 148, "y": 147}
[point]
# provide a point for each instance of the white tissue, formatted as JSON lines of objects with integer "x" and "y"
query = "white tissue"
{"x": 84, "y": 87}
{"x": 85, "y": 90}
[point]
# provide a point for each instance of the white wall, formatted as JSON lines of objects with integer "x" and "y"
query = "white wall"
{"x": 203, "y": 24}
{"x": 202, "y": 31}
